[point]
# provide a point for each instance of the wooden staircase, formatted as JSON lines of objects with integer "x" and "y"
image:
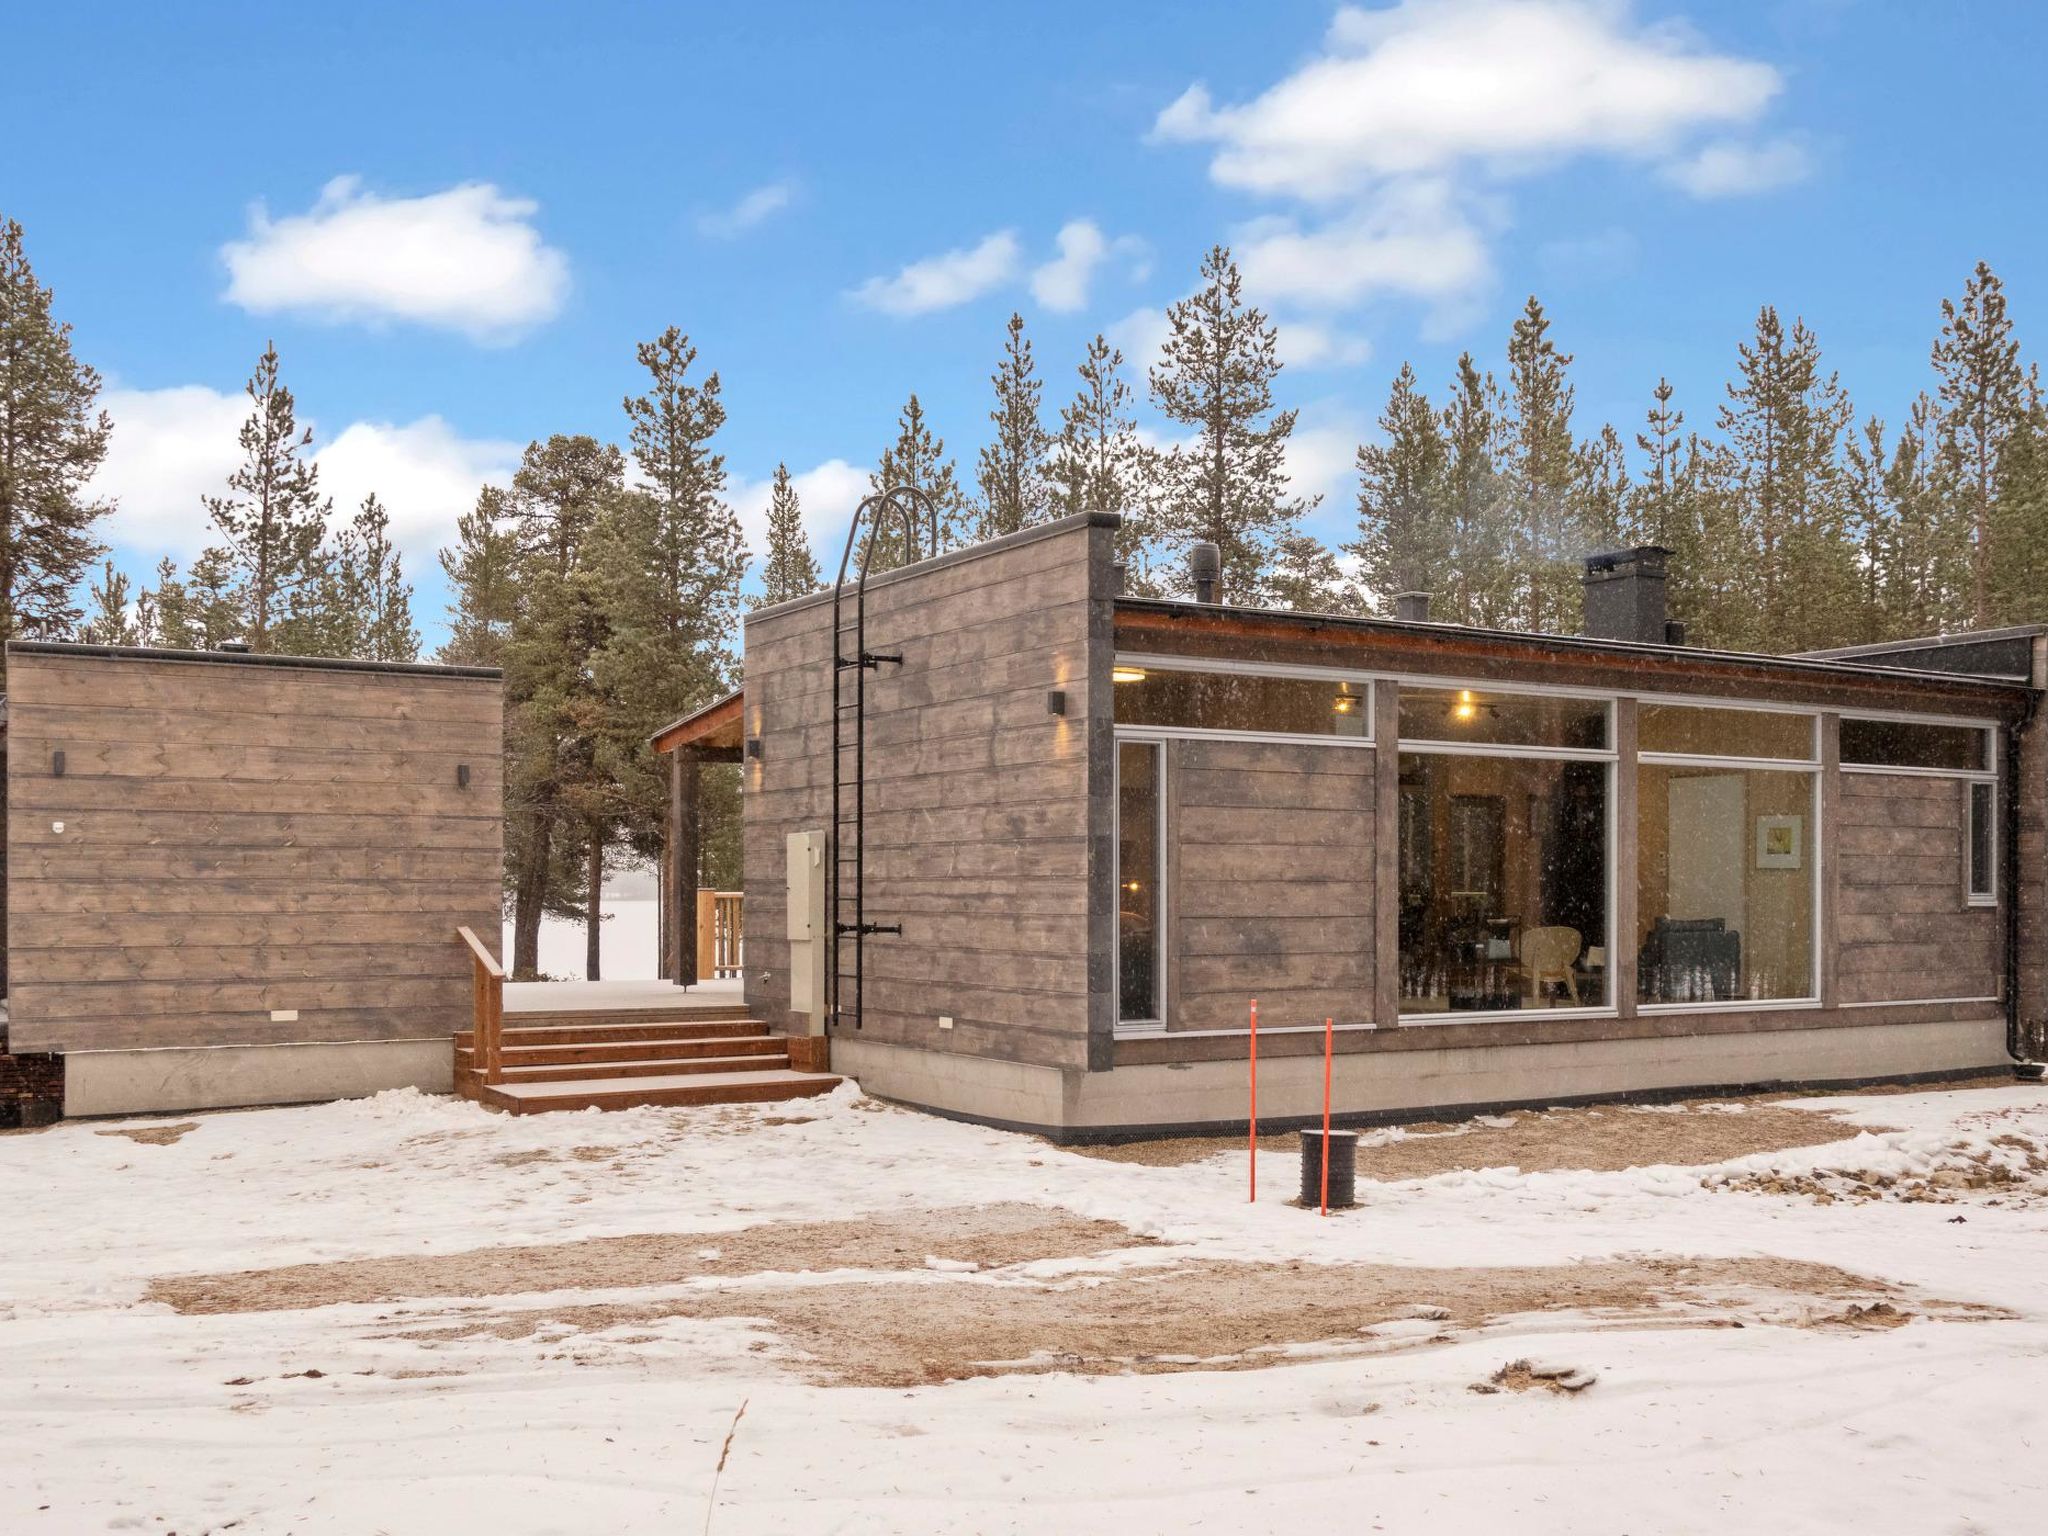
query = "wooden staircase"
{"x": 620, "y": 1059}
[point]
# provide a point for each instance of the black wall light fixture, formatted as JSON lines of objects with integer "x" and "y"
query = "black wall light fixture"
{"x": 754, "y": 747}
{"x": 57, "y": 764}
{"x": 462, "y": 775}
{"x": 1056, "y": 702}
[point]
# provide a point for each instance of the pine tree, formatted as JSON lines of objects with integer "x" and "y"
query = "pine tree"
{"x": 789, "y": 569}
{"x": 1096, "y": 462}
{"x": 52, "y": 440}
{"x": 1547, "y": 535}
{"x": 376, "y": 582}
{"x": 1014, "y": 490}
{"x": 1229, "y": 486}
{"x": 1600, "y": 494}
{"x": 553, "y": 741}
{"x": 273, "y": 519}
{"x": 918, "y": 459}
{"x": 1307, "y": 577}
{"x": 1983, "y": 405}
{"x": 1784, "y": 421}
{"x": 1405, "y": 540}
{"x": 1874, "y": 524}
{"x": 1478, "y": 584}
{"x": 2019, "y": 578}
{"x": 110, "y": 621}
{"x": 482, "y": 571}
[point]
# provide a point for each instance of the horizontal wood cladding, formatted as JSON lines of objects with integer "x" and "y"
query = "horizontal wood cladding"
{"x": 1271, "y": 850}
{"x": 978, "y": 815}
{"x": 1904, "y": 929}
{"x": 227, "y": 840}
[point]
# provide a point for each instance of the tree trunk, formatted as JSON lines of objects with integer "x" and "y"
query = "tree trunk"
{"x": 593, "y": 911}
{"x": 526, "y": 907}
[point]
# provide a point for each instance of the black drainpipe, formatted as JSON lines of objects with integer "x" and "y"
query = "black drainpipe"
{"x": 2009, "y": 861}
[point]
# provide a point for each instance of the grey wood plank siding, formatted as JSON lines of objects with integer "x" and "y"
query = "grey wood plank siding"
{"x": 1904, "y": 929}
{"x": 238, "y": 838}
{"x": 1273, "y": 880}
{"x": 979, "y": 810}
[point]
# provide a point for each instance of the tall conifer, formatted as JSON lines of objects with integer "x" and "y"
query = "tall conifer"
{"x": 1405, "y": 541}
{"x": 1015, "y": 492}
{"x": 790, "y": 570}
{"x": 1097, "y": 463}
{"x": 1982, "y": 389}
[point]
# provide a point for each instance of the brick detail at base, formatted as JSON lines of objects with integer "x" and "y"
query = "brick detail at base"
{"x": 810, "y": 1053}
{"x": 31, "y": 1088}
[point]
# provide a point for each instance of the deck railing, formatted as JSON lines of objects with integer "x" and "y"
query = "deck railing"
{"x": 720, "y": 934}
{"x": 487, "y": 1010}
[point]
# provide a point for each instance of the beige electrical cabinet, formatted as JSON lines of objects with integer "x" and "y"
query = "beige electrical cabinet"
{"x": 807, "y": 947}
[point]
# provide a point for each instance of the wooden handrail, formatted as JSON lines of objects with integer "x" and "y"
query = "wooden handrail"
{"x": 720, "y": 933}
{"x": 487, "y": 1009}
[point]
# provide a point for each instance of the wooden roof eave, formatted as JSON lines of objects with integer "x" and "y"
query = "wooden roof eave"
{"x": 716, "y": 730}
{"x": 1500, "y": 655}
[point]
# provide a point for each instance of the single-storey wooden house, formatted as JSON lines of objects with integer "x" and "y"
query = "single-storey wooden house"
{"x": 1026, "y": 850}
{"x": 236, "y": 879}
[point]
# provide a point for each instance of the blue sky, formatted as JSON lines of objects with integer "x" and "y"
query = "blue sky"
{"x": 456, "y": 221}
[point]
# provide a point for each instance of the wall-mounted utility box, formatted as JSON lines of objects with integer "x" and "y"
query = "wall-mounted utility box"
{"x": 806, "y": 874}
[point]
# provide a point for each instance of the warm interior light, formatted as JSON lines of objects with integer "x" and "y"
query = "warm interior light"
{"x": 1127, "y": 674}
{"x": 1346, "y": 702}
{"x": 1132, "y": 885}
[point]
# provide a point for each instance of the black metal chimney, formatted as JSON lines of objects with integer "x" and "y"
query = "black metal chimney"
{"x": 1625, "y": 595}
{"x": 1411, "y": 607}
{"x": 1205, "y": 572}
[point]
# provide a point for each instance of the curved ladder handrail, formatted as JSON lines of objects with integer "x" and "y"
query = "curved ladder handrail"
{"x": 909, "y": 504}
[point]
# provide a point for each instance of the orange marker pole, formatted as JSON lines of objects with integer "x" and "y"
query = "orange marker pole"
{"x": 1329, "y": 1042}
{"x": 1255, "y": 1101}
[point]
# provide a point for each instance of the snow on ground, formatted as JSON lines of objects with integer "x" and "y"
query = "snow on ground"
{"x": 403, "y": 1416}
{"x": 629, "y": 941}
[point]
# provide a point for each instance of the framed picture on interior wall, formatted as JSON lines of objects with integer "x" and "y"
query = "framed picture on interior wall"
{"x": 1779, "y": 842}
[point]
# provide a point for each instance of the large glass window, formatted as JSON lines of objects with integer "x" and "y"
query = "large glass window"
{"x": 1138, "y": 880}
{"x": 1725, "y": 888}
{"x": 1706, "y": 731}
{"x": 1241, "y": 701}
{"x": 1915, "y": 744}
{"x": 1468, "y": 716}
{"x": 1983, "y": 833}
{"x": 1503, "y": 883}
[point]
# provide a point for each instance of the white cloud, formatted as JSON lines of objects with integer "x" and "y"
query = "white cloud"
{"x": 1139, "y": 336}
{"x": 827, "y": 494}
{"x": 946, "y": 280}
{"x": 1730, "y": 169}
{"x": 1062, "y": 283}
{"x": 1426, "y": 86}
{"x": 756, "y": 207}
{"x": 172, "y": 446}
{"x": 468, "y": 259}
{"x": 1322, "y": 459}
{"x": 1412, "y": 238}
{"x": 1312, "y": 344}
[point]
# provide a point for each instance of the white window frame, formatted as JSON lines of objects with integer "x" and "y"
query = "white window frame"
{"x": 1364, "y": 682}
{"x": 1987, "y": 728}
{"x": 1972, "y": 897}
{"x": 1157, "y": 1025}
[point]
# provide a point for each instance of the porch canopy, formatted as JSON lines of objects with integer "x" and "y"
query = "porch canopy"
{"x": 711, "y": 735}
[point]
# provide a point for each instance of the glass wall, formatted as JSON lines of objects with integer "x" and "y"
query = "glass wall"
{"x": 1139, "y": 880}
{"x": 1465, "y": 716}
{"x": 1503, "y": 881}
{"x": 1915, "y": 744}
{"x": 1724, "y": 884}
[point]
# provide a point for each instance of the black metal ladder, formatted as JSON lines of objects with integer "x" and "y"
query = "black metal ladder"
{"x": 852, "y": 661}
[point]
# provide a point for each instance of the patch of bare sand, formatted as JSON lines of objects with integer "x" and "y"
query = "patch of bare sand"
{"x": 1603, "y": 1139}
{"x": 983, "y": 1236}
{"x": 154, "y": 1135}
{"x": 1207, "y": 1315}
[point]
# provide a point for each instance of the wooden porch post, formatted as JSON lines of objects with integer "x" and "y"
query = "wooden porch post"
{"x": 685, "y": 841}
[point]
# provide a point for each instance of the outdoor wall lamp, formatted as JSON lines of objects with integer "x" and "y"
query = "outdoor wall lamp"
{"x": 754, "y": 749}
{"x": 1056, "y": 702}
{"x": 57, "y": 764}
{"x": 462, "y": 775}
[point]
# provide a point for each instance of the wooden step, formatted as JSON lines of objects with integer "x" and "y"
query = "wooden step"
{"x": 522, "y": 1036}
{"x": 686, "y": 1066}
{"x": 599, "y": 1053}
{"x": 678, "y": 1089}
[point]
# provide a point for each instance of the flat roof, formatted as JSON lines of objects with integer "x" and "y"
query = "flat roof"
{"x": 1674, "y": 658}
{"x": 245, "y": 659}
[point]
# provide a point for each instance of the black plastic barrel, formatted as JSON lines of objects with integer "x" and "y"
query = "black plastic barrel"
{"x": 1343, "y": 1169}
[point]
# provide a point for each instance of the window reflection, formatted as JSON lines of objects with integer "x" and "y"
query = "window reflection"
{"x": 1235, "y": 701}
{"x": 1467, "y": 715}
{"x": 1503, "y": 883}
{"x": 1137, "y": 879}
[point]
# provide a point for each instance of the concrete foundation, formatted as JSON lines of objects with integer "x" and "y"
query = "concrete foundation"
{"x": 1376, "y": 1084}
{"x": 237, "y": 1076}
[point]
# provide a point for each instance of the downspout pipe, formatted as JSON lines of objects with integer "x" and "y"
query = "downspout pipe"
{"x": 2009, "y": 872}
